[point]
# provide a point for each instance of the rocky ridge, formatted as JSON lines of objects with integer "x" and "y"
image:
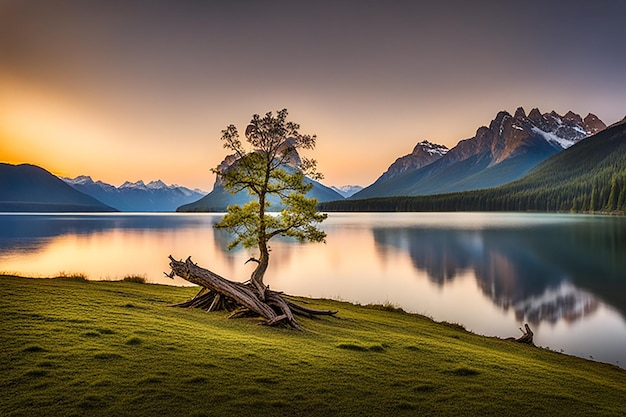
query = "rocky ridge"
{"x": 499, "y": 153}
{"x": 423, "y": 153}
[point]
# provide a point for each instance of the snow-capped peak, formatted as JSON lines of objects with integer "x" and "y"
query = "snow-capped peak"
{"x": 137, "y": 196}
{"x": 431, "y": 148}
{"x": 158, "y": 184}
{"x": 560, "y": 131}
{"x": 138, "y": 185}
{"x": 552, "y": 137}
{"x": 80, "y": 180}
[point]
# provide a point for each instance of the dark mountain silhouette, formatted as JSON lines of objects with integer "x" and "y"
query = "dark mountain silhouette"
{"x": 503, "y": 152}
{"x": 29, "y": 188}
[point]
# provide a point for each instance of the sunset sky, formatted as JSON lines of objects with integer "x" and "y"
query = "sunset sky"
{"x": 129, "y": 90}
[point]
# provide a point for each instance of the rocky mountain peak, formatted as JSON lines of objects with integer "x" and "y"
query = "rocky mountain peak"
{"x": 292, "y": 158}
{"x": 507, "y": 136}
{"x": 499, "y": 120}
{"x": 572, "y": 117}
{"x": 423, "y": 153}
{"x": 139, "y": 184}
{"x": 535, "y": 115}
{"x": 223, "y": 166}
{"x": 137, "y": 196}
{"x": 555, "y": 115}
{"x": 593, "y": 124}
{"x": 521, "y": 141}
{"x": 158, "y": 184}
{"x": 81, "y": 179}
{"x": 429, "y": 148}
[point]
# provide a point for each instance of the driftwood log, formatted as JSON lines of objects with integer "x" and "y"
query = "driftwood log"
{"x": 526, "y": 337}
{"x": 243, "y": 299}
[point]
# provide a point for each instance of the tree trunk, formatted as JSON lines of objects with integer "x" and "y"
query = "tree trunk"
{"x": 219, "y": 293}
{"x": 257, "y": 275}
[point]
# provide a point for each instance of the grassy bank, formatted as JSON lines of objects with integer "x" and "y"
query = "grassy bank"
{"x": 73, "y": 348}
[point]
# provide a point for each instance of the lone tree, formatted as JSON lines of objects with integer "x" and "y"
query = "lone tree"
{"x": 270, "y": 170}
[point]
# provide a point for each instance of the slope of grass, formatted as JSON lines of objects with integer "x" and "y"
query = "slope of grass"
{"x": 74, "y": 348}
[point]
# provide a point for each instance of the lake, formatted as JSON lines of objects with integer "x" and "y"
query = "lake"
{"x": 563, "y": 274}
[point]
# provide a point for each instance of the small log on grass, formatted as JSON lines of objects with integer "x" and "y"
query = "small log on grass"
{"x": 526, "y": 337}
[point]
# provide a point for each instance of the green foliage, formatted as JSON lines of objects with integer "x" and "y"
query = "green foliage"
{"x": 271, "y": 167}
{"x": 158, "y": 360}
{"x": 244, "y": 222}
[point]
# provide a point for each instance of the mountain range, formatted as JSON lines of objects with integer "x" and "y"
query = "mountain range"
{"x": 589, "y": 176}
{"x": 220, "y": 198}
{"x": 502, "y": 152}
{"x": 155, "y": 196}
{"x": 513, "y": 149}
{"x": 28, "y": 188}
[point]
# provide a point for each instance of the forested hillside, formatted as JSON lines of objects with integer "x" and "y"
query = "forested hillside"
{"x": 588, "y": 177}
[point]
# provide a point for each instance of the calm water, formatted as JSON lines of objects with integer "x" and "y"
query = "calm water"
{"x": 564, "y": 274}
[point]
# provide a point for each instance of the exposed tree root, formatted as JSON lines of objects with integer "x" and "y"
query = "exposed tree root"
{"x": 219, "y": 293}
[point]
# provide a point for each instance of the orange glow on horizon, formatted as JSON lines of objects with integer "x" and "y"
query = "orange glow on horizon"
{"x": 44, "y": 128}
{"x": 70, "y": 134}
{"x": 68, "y": 138}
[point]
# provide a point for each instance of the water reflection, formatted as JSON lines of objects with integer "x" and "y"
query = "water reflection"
{"x": 32, "y": 232}
{"x": 490, "y": 272}
{"x": 100, "y": 246}
{"x": 545, "y": 272}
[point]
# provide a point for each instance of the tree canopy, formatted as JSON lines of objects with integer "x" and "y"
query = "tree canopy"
{"x": 270, "y": 165}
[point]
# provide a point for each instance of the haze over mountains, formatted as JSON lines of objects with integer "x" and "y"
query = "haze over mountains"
{"x": 347, "y": 190}
{"x": 156, "y": 196}
{"x": 502, "y": 152}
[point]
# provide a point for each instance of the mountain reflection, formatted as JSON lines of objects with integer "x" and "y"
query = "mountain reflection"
{"x": 543, "y": 273}
{"x": 24, "y": 233}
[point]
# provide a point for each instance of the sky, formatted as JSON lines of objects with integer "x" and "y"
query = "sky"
{"x": 130, "y": 90}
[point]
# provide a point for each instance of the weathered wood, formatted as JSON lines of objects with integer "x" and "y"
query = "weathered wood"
{"x": 205, "y": 278}
{"x": 219, "y": 293}
{"x": 276, "y": 300}
{"x": 215, "y": 302}
{"x": 310, "y": 312}
{"x": 526, "y": 337}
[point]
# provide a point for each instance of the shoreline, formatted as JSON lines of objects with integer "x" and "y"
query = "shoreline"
{"x": 113, "y": 348}
{"x": 385, "y": 306}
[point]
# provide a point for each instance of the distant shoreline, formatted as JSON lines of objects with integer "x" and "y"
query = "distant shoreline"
{"x": 321, "y": 209}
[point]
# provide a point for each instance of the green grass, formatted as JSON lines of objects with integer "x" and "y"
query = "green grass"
{"x": 75, "y": 348}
